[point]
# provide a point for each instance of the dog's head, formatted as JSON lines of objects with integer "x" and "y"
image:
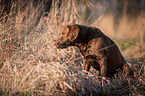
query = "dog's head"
{"x": 69, "y": 36}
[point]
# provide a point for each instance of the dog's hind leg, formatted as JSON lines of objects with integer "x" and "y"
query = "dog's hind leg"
{"x": 127, "y": 70}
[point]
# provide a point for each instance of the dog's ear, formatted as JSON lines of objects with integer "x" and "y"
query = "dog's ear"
{"x": 73, "y": 32}
{"x": 65, "y": 30}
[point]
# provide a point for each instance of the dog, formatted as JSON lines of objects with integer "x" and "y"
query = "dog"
{"x": 97, "y": 50}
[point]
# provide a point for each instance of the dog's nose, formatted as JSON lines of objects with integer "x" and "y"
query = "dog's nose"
{"x": 57, "y": 43}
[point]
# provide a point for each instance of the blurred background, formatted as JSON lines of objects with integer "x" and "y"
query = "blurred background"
{"x": 119, "y": 19}
{"x": 117, "y": 14}
{"x": 30, "y": 64}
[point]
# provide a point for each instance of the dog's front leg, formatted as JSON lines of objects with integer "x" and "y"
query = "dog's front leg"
{"x": 103, "y": 66}
{"x": 86, "y": 65}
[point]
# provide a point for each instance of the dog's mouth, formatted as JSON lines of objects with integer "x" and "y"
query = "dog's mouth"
{"x": 62, "y": 45}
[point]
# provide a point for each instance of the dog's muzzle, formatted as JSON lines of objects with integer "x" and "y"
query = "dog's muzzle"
{"x": 62, "y": 45}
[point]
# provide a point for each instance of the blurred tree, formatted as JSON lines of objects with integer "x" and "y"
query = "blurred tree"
{"x": 129, "y": 9}
{"x": 6, "y": 6}
{"x": 125, "y": 4}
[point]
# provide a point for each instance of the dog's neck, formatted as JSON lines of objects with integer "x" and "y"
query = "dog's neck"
{"x": 91, "y": 34}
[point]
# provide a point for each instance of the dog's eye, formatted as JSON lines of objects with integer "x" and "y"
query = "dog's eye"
{"x": 62, "y": 34}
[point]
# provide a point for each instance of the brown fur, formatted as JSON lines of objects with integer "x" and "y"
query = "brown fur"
{"x": 97, "y": 50}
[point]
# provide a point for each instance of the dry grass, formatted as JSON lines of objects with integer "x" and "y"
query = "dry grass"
{"x": 31, "y": 64}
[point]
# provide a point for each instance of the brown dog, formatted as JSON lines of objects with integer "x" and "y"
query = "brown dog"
{"x": 97, "y": 50}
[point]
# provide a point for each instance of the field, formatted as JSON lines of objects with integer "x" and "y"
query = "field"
{"x": 31, "y": 65}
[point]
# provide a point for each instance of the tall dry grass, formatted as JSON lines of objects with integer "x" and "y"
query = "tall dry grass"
{"x": 31, "y": 64}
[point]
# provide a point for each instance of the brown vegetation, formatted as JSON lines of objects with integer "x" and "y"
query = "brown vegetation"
{"x": 31, "y": 64}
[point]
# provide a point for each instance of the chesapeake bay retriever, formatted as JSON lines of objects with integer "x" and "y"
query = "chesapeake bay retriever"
{"x": 97, "y": 50}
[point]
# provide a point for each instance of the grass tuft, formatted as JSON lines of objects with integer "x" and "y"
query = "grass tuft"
{"x": 31, "y": 65}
